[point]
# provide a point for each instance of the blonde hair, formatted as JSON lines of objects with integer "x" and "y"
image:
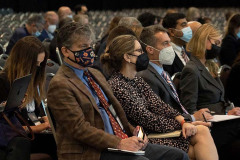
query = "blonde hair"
{"x": 212, "y": 67}
{"x": 197, "y": 45}
{"x": 112, "y": 61}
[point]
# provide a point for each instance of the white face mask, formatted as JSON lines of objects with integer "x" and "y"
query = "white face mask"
{"x": 52, "y": 28}
{"x": 166, "y": 56}
{"x": 70, "y": 16}
{"x": 187, "y": 34}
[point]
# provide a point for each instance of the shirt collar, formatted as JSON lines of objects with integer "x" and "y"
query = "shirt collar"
{"x": 158, "y": 68}
{"x": 79, "y": 72}
{"x": 176, "y": 47}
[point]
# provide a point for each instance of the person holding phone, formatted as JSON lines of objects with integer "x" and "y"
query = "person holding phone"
{"x": 143, "y": 107}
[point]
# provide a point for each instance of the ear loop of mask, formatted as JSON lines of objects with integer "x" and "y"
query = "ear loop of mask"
{"x": 152, "y": 48}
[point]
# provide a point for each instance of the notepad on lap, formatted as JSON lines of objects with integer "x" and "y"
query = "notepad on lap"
{"x": 165, "y": 135}
{"x": 220, "y": 118}
{"x": 138, "y": 153}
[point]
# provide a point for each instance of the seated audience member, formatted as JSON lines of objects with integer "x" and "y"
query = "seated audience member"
{"x": 99, "y": 49}
{"x": 147, "y": 19}
{"x": 132, "y": 23}
{"x": 194, "y": 25}
{"x": 193, "y": 14}
{"x": 204, "y": 20}
{"x": 80, "y": 9}
{"x": 81, "y": 18}
{"x": 157, "y": 45}
{"x": 28, "y": 56}
{"x": 53, "y": 44}
{"x": 233, "y": 86}
{"x": 128, "y": 22}
{"x": 33, "y": 26}
{"x": 64, "y": 12}
{"x": 51, "y": 22}
{"x": 199, "y": 89}
{"x": 79, "y": 99}
{"x": 119, "y": 30}
{"x": 231, "y": 44}
{"x": 180, "y": 33}
{"x": 143, "y": 107}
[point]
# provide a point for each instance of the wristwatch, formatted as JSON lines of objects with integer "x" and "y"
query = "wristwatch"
{"x": 187, "y": 118}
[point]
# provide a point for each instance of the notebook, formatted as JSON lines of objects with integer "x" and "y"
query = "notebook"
{"x": 165, "y": 135}
{"x": 220, "y": 118}
{"x": 138, "y": 153}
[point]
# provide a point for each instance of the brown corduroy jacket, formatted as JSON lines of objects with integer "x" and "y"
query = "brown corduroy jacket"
{"x": 79, "y": 126}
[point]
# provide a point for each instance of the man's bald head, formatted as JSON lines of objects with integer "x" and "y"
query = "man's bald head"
{"x": 51, "y": 17}
{"x": 64, "y": 11}
{"x": 194, "y": 25}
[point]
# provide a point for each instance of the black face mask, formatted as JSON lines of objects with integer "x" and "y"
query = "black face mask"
{"x": 142, "y": 62}
{"x": 213, "y": 52}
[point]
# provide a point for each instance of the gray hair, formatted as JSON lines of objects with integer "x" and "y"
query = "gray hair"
{"x": 71, "y": 32}
{"x": 37, "y": 19}
{"x": 129, "y": 22}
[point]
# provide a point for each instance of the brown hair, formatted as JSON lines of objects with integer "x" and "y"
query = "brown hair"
{"x": 233, "y": 23}
{"x": 113, "y": 23}
{"x": 112, "y": 61}
{"x": 118, "y": 31}
{"x": 23, "y": 61}
{"x": 197, "y": 45}
{"x": 148, "y": 35}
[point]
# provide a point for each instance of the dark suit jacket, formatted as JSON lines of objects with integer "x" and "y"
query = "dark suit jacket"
{"x": 43, "y": 35}
{"x": 199, "y": 89}
{"x": 18, "y": 34}
{"x": 229, "y": 50}
{"x": 79, "y": 126}
{"x": 233, "y": 85}
{"x": 177, "y": 66}
{"x": 159, "y": 86}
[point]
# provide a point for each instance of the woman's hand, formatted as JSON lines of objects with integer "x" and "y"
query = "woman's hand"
{"x": 207, "y": 124}
{"x": 188, "y": 130}
{"x": 235, "y": 111}
{"x": 46, "y": 122}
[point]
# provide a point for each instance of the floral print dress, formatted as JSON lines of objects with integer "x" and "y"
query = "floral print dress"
{"x": 143, "y": 107}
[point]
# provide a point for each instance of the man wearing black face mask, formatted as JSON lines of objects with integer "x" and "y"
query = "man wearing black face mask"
{"x": 88, "y": 117}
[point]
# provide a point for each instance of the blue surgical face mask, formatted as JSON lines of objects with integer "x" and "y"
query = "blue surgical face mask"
{"x": 238, "y": 34}
{"x": 36, "y": 34}
{"x": 187, "y": 34}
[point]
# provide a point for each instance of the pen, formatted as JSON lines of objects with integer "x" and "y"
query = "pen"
{"x": 211, "y": 112}
{"x": 204, "y": 117}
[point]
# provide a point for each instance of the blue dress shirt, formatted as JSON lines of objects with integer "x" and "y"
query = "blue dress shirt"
{"x": 107, "y": 125}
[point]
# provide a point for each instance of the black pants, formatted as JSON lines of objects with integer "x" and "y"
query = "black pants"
{"x": 18, "y": 149}
{"x": 152, "y": 152}
{"x": 226, "y": 136}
